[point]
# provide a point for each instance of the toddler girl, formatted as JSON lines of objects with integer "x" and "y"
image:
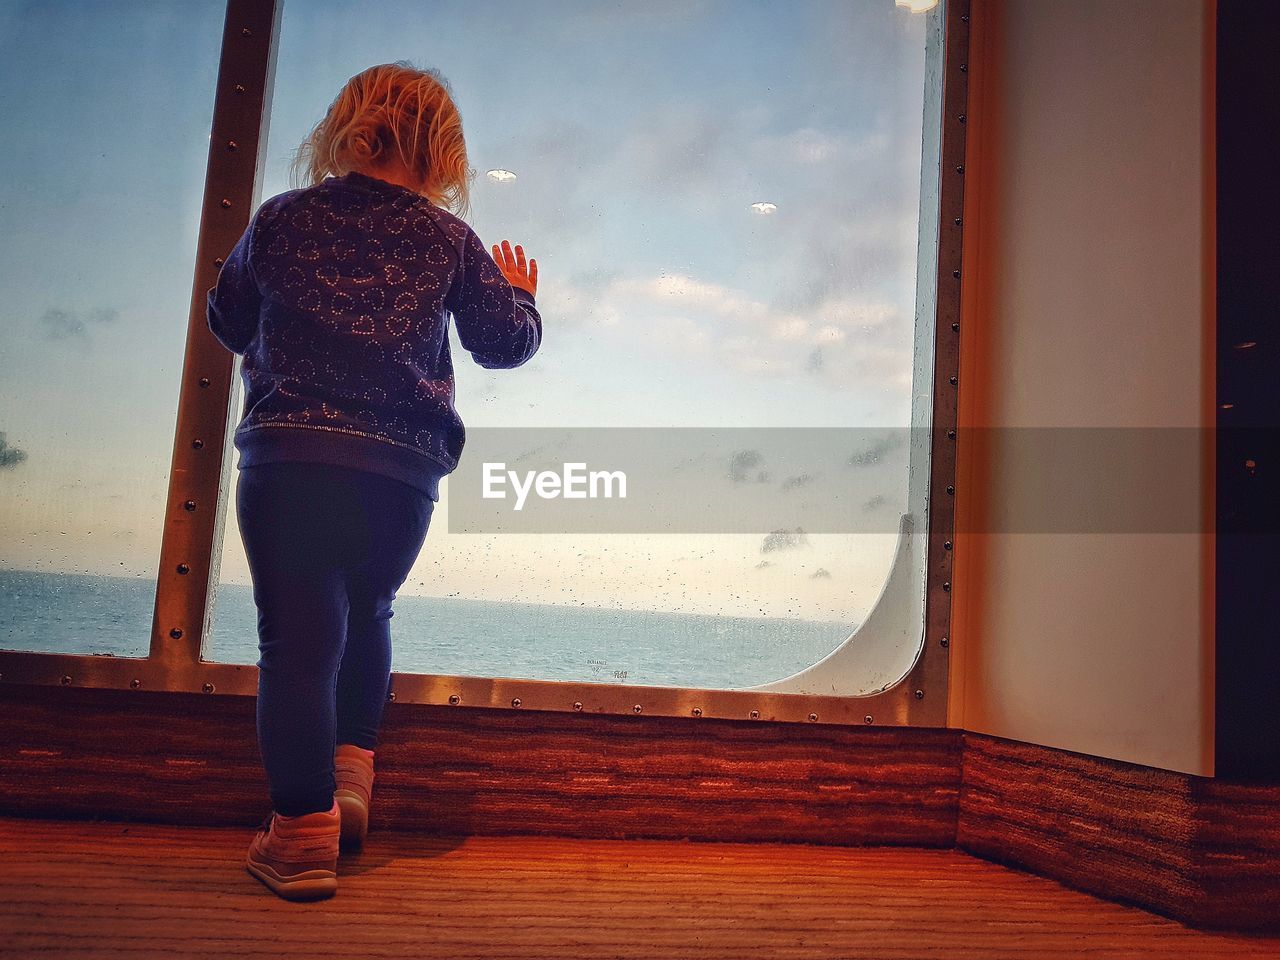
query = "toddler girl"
{"x": 337, "y": 296}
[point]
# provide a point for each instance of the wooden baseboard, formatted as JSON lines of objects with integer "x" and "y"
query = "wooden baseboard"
{"x": 190, "y": 758}
{"x": 1202, "y": 851}
{"x": 1206, "y": 852}
{"x": 1237, "y": 854}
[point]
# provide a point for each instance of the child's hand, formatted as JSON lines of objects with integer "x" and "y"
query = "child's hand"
{"x": 518, "y": 273}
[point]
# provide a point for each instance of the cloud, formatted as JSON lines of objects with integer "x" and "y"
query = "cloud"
{"x": 872, "y": 453}
{"x": 10, "y": 457}
{"x": 741, "y": 465}
{"x": 822, "y": 573}
{"x": 875, "y": 503}
{"x": 807, "y": 145}
{"x": 59, "y": 324}
{"x": 764, "y": 564}
{"x": 784, "y": 540}
{"x": 824, "y": 288}
{"x": 798, "y": 481}
{"x": 641, "y": 218}
{"x": 851, "y": 343}
{"x": 829, "y": 293}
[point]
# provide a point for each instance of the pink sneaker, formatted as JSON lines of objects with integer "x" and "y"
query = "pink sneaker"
{"x": 297, "y": 857}
{"x": 353, "y": 772}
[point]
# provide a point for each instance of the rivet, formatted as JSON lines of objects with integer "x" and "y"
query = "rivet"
{"x": 239, "y": 88}
{"x": 232, "y": 145}
{"x": 208, "y": 687}
{"x": 636, "y": 708}
{"x": 867, "y": 718}
{"x": 959, "y": 221}
{"x": 961, "y": 118}
{"x": 515, "y": 702}
{"x": 183, "y": 569}
{"x": 946, "y": 586}
{"x": 945, "y": 642}
{"x": 176, "y": 633}
{"x": 697, "y": 711}
{"x": 1226, "y": 406}
{"x": 198, "y": 444}
{"x": 964, "y": 68}
{"x": 454, "y": 699}
{"x": 226, "y": 204}
{"x": 1251, "y": 466}
{"x": 246, "y": 32}
{"x": 66, "y": 680}
{"x": 946, "y": 545}
{"x": 919, "y": 694}
{"x": 755, "y": 714}
{"x": 955, "y": 325}
{"x": 953, "y": 380}
{"x": 951, "y": 434}
{"x": 813, "y": 718}
{"x": 960, "y": 169}
{"x": 1247, "y": 345}
{"x": 135, "y": 684}
{"x": 955, "y": 274}
{"x": 204, "y": 381}
{"x": 577, "y": 705}
{"x": 951, "y": 490}
{"x": 391, "y": 697}
{"x": 218, "y": 261}
{"x": 189, "y": 506}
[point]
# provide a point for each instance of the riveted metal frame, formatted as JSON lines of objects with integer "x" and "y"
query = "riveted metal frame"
{"x": 932, "y": 669}
{"x": 200, "y": 475}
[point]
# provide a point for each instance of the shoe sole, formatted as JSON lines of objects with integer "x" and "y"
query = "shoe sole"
{"x": 309, "y": 885}
{"x": 355, "y": 820}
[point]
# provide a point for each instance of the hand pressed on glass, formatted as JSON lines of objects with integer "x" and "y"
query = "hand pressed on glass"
{"x": 519, "y": 274}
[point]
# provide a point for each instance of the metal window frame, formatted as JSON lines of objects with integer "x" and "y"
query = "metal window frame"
{"x": 200, "y": 474}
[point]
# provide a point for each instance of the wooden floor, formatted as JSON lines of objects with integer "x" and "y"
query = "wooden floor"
{"x": 91, "y": 890}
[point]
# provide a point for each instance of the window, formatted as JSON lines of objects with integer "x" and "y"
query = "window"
{"x": 725, "y": 199}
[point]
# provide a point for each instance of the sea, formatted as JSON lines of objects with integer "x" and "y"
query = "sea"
{"x": 75, "y": 613}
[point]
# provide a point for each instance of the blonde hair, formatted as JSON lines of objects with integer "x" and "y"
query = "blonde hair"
{"x": 389, "y": 112}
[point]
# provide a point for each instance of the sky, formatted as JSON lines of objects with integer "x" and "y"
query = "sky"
{"x": 640, "y": 135}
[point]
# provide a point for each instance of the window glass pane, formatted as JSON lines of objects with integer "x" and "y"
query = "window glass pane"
{"x": 724, "y": 201}
{"x": 107, "y": 118}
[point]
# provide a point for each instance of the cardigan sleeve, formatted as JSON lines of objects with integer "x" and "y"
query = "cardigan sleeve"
{"x": 497, "y": 323}
{"x": 233, "y": 304}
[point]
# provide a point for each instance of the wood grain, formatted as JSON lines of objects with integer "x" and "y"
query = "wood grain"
{"x": 1237, "y": 853}
{"x": 1204, "y": 851}
{"x": 190, "y": 758}
{"x": 111, "y": 890}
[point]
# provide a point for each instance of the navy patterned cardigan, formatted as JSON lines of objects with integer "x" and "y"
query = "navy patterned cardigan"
{"x": 337, "y": 295}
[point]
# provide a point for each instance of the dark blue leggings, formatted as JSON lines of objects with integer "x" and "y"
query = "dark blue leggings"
{"x": 328, "y": 547}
